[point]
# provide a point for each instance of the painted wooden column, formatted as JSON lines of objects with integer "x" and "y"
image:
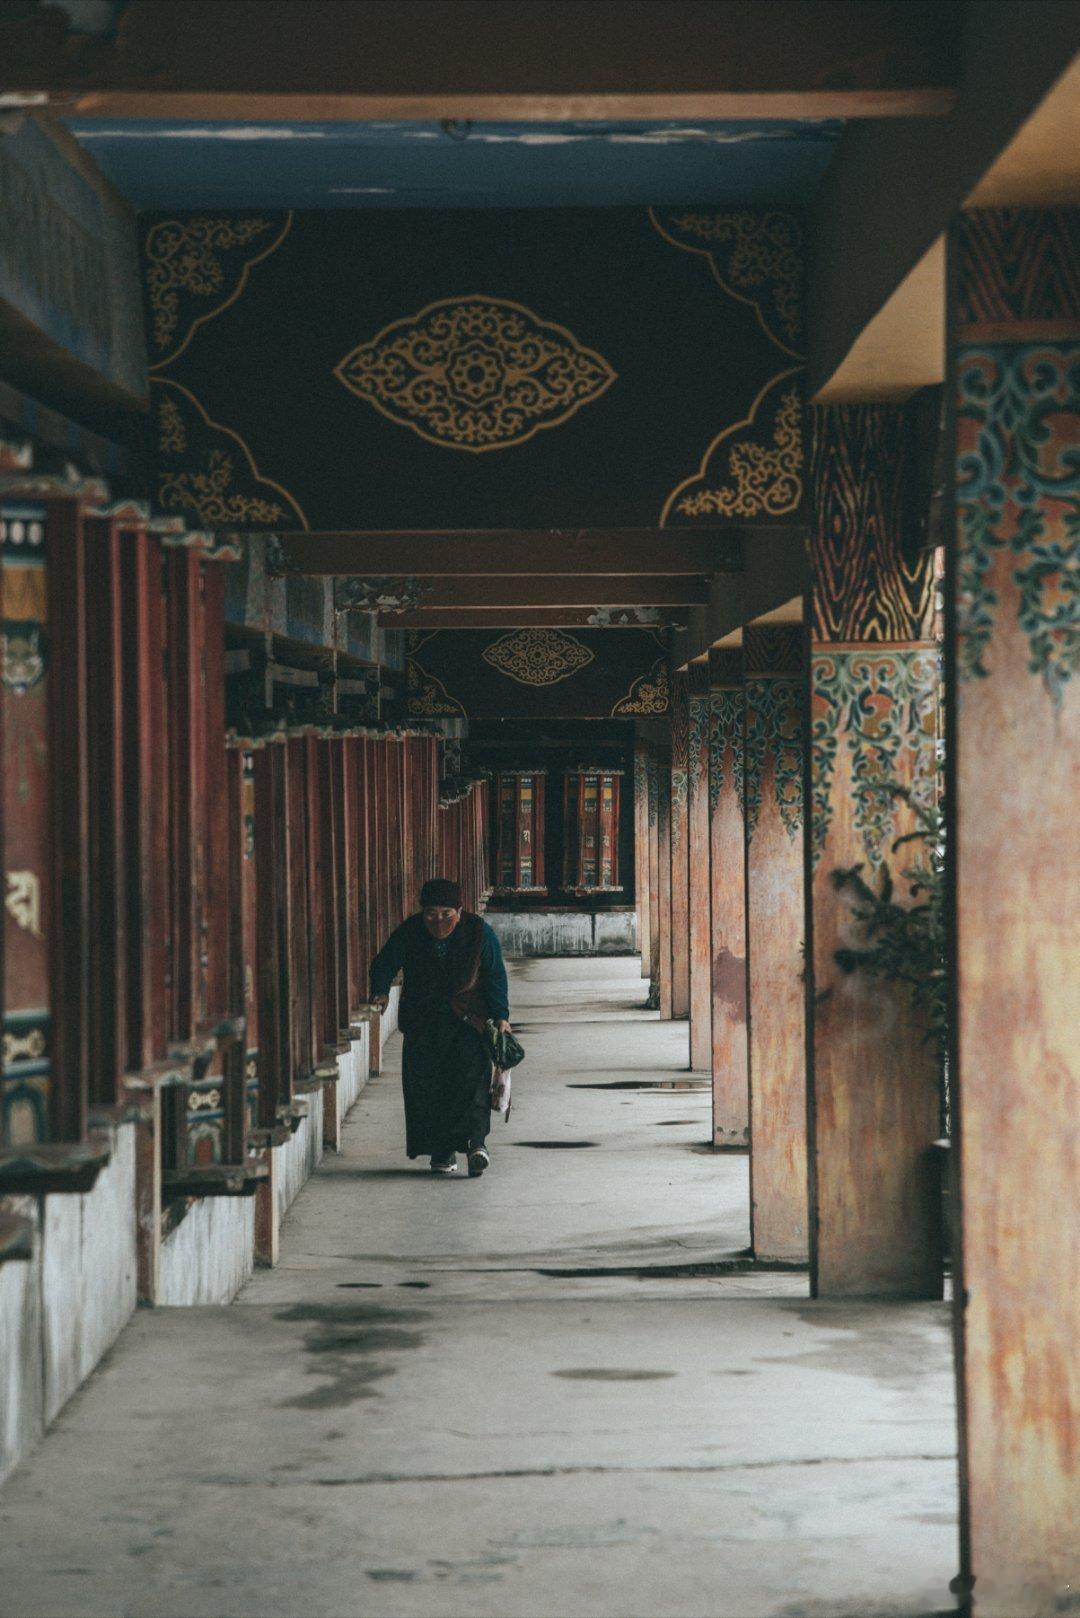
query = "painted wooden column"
{"x": 1016, "y": 779}
{"x": 779, "y": 1213}
{"x": 727, "y": 836}
{"x": 700, "y": 866}
{"x": 873, "y": 1081}
{"x": 641, "y": 856}
{"x": 663, "y": 846}
{"x": 653, "y": 877}
{"x": 680, "y": 848}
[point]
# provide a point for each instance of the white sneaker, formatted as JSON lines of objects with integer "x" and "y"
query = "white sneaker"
{"x": 478, "y": 1161}
{"x": 444, "y": 1165}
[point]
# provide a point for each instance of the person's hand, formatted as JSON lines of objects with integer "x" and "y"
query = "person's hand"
{"x": 504, "y": 1027}
{"x": 380, "y": 1001}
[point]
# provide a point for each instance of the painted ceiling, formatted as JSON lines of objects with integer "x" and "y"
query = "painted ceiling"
{"x": 168, "y": 164}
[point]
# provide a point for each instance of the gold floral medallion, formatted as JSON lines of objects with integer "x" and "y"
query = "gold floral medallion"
{"x": 537, "y": 656}
{"x": 475, "y": 373}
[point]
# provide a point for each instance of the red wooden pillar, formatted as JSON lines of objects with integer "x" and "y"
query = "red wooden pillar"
{"x": 680, "y": 849}
{"x": 700, "y": 891}
{"x": 779, "y": 1213}
{"x": 107, "y": 939}
{"x": 1016, "y": 779}
{"x": 249, "y": 937}
{"x": 641, "y": 856}
{"x": 216, "y": 919}
{"x": 273, "y": 965}
{"x": 186, "y": 786}
{"x": 346, "y": 767}
{"x": 653, "y": 875}
{"x": 301, "y": 975}
{"x": 663, "y": 847}
{"x": 874, "y": 1089}
{"x": 364, "y": 850}
{"x": 730, "y": 1052}
{"x": 145, "y": 770}
{"x": 323, "y": 898}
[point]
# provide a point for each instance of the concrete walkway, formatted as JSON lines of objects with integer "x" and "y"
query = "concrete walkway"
{"x": 414, "y": 1416}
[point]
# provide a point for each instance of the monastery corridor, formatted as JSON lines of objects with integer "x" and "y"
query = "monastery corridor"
{"x": 511, "y": 1395}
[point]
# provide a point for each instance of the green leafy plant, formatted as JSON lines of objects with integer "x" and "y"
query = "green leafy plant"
{"x": 905, "y": 943}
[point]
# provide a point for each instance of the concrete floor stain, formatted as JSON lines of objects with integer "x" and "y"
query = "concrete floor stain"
{"x": 611, "y": 1374}
{"x": 344, "y": 1345}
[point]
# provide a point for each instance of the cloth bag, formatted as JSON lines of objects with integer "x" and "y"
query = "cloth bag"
{"x": 505, "y": 1052}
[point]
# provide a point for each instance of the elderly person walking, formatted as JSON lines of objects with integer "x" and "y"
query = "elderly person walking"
{"x": 455, "y": 982}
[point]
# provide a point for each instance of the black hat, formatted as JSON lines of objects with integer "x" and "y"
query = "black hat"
{"x": 441, "y": 891}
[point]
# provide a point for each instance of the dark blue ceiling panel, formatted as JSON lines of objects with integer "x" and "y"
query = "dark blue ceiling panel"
{"x": 158, "y": 164}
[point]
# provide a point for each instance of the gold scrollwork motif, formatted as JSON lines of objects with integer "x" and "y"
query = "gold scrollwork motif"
{"x": 475, "y": 373}
{"x": 764, "y": 480}
{"x": 185, "y": 256}
{"x": 537, "y": 656}
{"x": 171, "y": 435}
{"x": 649, "y": 694}
{"x": 428, "y": 698}
{"x": 753, "y": 468}
{"x": 754, "y": 257}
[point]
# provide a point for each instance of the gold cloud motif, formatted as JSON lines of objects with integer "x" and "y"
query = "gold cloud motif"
{"x": 749, "y": 474}
{"x": 218, "y": 483}
{"x": 537, "y": 657}
{"x": 428, "y": 698}
{"x": 189, "y": 261}
{"x": 649, "y": 694}
{"x": 475, "y": 373}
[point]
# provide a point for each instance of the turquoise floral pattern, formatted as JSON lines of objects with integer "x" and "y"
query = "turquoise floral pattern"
{"x": 883, "y": 706}
{"x": 1018, "y": 497}
{"x": 726, "y": 733}
{"x": 774, "y": 732}
{"x": 698, "y": 740}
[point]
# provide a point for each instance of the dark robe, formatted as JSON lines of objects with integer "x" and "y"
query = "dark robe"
{"x": 447, "y": 996}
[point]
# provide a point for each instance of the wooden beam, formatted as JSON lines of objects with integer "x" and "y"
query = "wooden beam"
{"x": 587, "y": 590}
{"x": 516, "y": 618}
{"x": 512, "y": 551}
{"x": 891, "y": 191}
{"x": 497, "y": 59}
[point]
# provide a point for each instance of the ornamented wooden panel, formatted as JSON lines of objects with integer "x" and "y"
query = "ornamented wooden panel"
{"x": 520, "y": 831}
{"x": 472, "y": 367}
{"x": 591, "y": 835}
{"x": 27, "y": 1032}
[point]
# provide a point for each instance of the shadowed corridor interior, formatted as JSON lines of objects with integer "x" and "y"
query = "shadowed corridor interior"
{"x": 458, "y": 1395}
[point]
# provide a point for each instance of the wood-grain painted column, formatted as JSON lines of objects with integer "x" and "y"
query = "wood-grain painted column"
{"x": 700, "y": 902}
{"x": 1016, "y": 789}
{"x": 730, "y": 1059}
{"x": 874, "y": 1093}
{"x": 680, "y": 849}
{"x": 779, "y": 1214}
